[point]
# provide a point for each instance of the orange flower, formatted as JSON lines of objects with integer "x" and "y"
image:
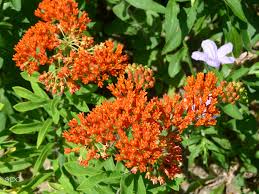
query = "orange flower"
{"x": 133, "y": 126}
{"x": 31, "y": 51}
{"x": 140, "y": 131}
{"x": 65, "y": 12}
{"x": 138, "y": 78}
{"x": 93, "y": 65}
{"x": 200, "y": 99}
{"x": 98, "y": 65}
{"x": 74, "y": 57}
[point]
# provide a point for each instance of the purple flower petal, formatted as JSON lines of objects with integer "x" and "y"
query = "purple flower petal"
{"x": 227, "y": 60}
{"x": 213, "y": 56}
{"x": 209, "y": 48}
{"x": 213, "y": 63}
{"x": 225, "y": 49}
{"x": 199, "y": 56}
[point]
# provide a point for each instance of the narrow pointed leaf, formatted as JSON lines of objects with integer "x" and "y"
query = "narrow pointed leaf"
{"x": 233, "y": 111}
{"x": 147, "y": 5}
{"x": 14, "y": 166}
{"x": 26, "y": 128}
{"x": 43, "y": 131}
{"x": 173, "y": 33}
{"x": 43, "y": 155}
{"x": 29, "y": 105}
{"x": 236, "y": 7}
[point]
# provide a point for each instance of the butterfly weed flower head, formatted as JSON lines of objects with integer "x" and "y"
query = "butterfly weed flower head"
{"x": 133, "y": 126}
{"x": 198, "y": 103}
{"x": 65, "y": 13}
{"x": 31, "y": 51}
{"x": 59, "y": 42}
{"x": 144, "y": 133}
{"x": 138, "y": 78}
{"x": 212, "y": 55}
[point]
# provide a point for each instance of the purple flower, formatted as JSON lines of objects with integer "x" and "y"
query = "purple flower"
{"x": 212, "y": 55}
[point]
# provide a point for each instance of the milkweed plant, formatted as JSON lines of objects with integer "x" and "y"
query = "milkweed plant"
{"x": 118, "y": 97}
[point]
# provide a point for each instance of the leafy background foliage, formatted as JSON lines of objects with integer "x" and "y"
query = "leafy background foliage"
{"x": 160, "y": 34}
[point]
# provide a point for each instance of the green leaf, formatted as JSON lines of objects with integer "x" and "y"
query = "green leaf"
{"x": 194, "y": 139}
{"x": 127, "y": 184}
{"x": 26, "y": 128}
{"x": 4, "y": 182}
{"x": 232, "y": 111}
{"x": 17, "y": 4}
{"x": 141, "y": 186}
{"x": 91, "y": 182}
{"x": 121, "y": 10}
{"x": 250, "y": 168}
{"x": 157, "y": 190}
{"x": 236, "y": 7}
{"x": 211, "y": 146}
{"x": 120, "y": 167}
{"x": 235, "y": 37}
{"x": 147, "y": 5}
{"x": 191, "y": 15}
{"x": 173, "y": 33}
{"x": 95, "y": 180}
{"x": 224, "y": 143}
{"x": 43, "y": 155}
{"x": 218, "y": 190}
{"x": 175, "y": 183}
{"x": 77, "y": 170}
{"x": 54, "y": 110}
{"x": 66, "y": 184}
{"x": 246, "y": 40}
{"x": 43, "y": 131}
{"x": 104, "y": 189}
{"x": 36, "y": 181}
{"x": 192, "y": 2}
{"x": 3, "y": 119}
{"x": 243, "y": 71}
{"x": 109, "y": 164}
{"x": 24, "y": 93}
{"x": 80, "y": 102}
{"x": 56, "y": 186}
{"x": 14, "y": 166}
{"x": 29, "y": 105}
{"x": 210, "y": 131}
{"x": 39, "y": 91}
{"x": 7, "y": 109}
{"x": 5, "y": 26}
{"x": 1, "y": 62}
{"x": 113, "y": 177}
{"x": 175, "y": 62}
{"x": 220, "y": 158}
{"x": 254, "y": 69}
{"x": 31, "y": 78}
{"x": 195, "y": 150}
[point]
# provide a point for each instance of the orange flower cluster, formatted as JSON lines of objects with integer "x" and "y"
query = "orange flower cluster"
{"x": 146, "y": 133}
{"x": 31, "y": 51}
{"x": 74, "y": 58}
{"x": 98, "y": 65}
{"x": 64, "y": 12}
{"x": 200, "y": 99}
{"x": 134, "y": 126}
{"x": 139, "y": 78}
